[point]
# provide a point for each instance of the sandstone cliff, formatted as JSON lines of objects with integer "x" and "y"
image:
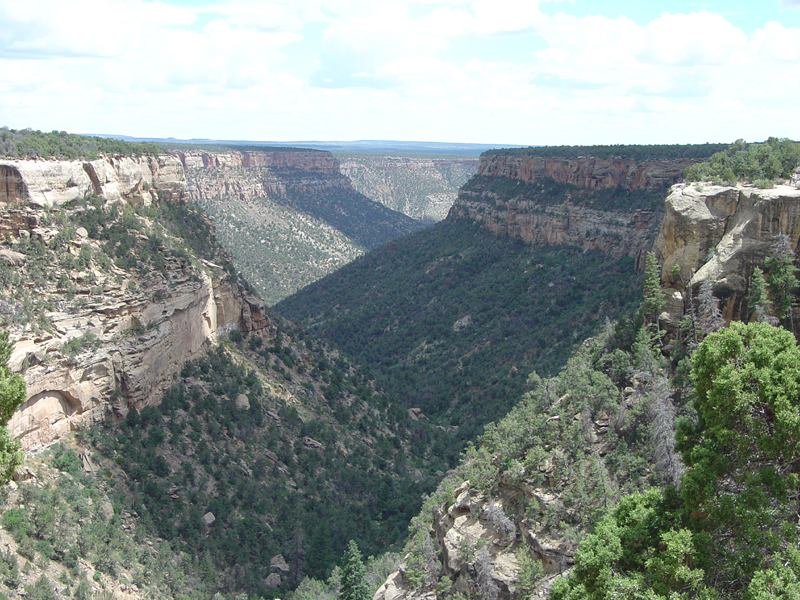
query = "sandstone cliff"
{"x": 617, "y": 233}
{"x": 96, "y": 331}
{"x": 586, "y": 172}
{"x": 51, "y": 183}
{"x": 721, "y": 234}
{"x": 245, "y": 175}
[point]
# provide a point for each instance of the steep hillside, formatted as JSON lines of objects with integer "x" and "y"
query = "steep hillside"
{"x": 287, "y": 216}
{"x": 420, "y": 187}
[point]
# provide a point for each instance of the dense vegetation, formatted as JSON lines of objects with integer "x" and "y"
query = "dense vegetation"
{"x": 632, "y": 151}
{"x": 28, "y": 143}
{"x": 451, "y": 319}
{"x": 759, "y": 163}
{"x": 266, "y": 433}
{"x": 548, "y": 192}
{"x": 268, "y": 469}
{"x": 573, "y": 446}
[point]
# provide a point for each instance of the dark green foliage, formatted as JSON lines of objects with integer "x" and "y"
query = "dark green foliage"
{"x": 65, "y": 459}
{"x": 27, "y": 143}
{"x": 266, "y": 484}
{"x": 731, "y": 530}
{"x": 774, "y": 159}
{"x": 653, "y": 294}
{"x": 782, "y": 280}
{"x": 759, "y": 306}
{"x": 548, "y": 192}
{"x": 354, "y": 583}
{"x": 633, "y": 151}
{"x": 452, "y": 318}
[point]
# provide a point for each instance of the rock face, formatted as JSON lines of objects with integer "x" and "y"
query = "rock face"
{"x": 248, "y": 175}
{"x": 614, "y": 232}
{"x": 540, "y": 216}
{"x": 586, "y": 172}
{"x": 49, "y": 183}
{"x": 128, "y": 331}
{"x": 721, "y": 234}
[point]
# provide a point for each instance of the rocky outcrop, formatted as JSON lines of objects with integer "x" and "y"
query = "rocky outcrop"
{"x": 720, "y": 234}
{"x": 611, "y": 205}
{"x": 131, "y": 344}
{"x": 586, "y": 172}
{"x": 274, "y": 174}
{"x": 49, "y": 183}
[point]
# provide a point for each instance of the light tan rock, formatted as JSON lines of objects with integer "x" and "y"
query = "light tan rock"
{"x": 49, "y": 183}
{"x": 278, "y": 563}
{"x": 720, "y": 234}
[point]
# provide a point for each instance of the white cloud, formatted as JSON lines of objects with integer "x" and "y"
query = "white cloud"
{"x": 289, "y": 69}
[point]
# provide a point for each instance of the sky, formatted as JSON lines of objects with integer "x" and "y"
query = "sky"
{"x": 532, "y": 72}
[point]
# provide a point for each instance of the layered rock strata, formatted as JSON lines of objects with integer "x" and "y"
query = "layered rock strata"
{"x": 616, "y": 233}
{"x": 586, "y": 172}
{"x": 422, "y": 188}
{"x": 254, "y": 174}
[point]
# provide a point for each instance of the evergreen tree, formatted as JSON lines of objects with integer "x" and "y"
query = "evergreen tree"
{"x": 758, "y": 303}
{"x": 653, "y": 294}
{"x": 12, "y": 395}
{"x": 354, "y": 575}
{"x": 782, "y": 279}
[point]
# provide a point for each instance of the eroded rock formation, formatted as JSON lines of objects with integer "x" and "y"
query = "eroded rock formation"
{"x": 721, "y": 234}
{"x": 49, "y": 183}
{"x": 614, "y": 232}
{"x": 422, "y": 188}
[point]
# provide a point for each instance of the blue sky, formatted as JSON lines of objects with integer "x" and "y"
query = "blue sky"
{"x": 484, "y": 71}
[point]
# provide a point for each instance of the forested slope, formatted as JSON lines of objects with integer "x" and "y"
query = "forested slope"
{"x": 452, "y": 319}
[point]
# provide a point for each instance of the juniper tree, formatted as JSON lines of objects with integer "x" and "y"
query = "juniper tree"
{"x": 12, "y": 395}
